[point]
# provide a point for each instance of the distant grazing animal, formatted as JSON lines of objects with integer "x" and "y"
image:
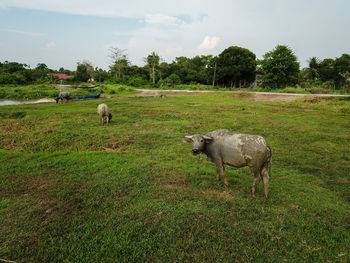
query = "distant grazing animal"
{"x": 237, "y": 150}
{"x": 63, "y": 96}
{"x": 103, "y": 112}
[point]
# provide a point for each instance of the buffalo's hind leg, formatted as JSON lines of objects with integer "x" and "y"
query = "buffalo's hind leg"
{"x": 256, "y": 179}
{"x": 266, "y": 179}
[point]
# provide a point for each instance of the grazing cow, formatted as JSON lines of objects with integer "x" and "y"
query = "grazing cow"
{"x": 237, "y": 150}
{"x": 63, "y": 96}
{"x": 103, "y": 112}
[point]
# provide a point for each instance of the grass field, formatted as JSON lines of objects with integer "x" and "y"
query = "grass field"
{"x": 49, "y": 91}
{"x": 74, "y": 191}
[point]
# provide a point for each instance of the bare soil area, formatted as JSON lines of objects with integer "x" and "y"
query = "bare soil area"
{"x": 256, "y": 96}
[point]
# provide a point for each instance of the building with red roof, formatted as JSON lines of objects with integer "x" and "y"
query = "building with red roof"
{"x": 60, "y": 76}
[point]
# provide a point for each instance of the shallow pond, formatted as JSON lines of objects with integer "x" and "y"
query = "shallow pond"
{"x": 17, "y": 102}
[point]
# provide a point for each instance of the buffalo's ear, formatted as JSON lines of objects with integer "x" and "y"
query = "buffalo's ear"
{"x": 208, "y": 139}
{"x": 187, "y": 139}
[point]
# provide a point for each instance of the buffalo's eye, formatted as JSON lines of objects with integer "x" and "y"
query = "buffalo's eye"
{"x": 202, "y": 140}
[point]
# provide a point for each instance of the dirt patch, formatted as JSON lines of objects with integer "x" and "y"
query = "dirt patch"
{"x": 120, "y": 144}
{"x": 39, "y": 182}
{"x": 273, "y": 97}
{"x": 174, "y": 185}
{"x": 256, "y": 96}
{"x": 313, "y": 99}
{"x": 150, "y": 112}
{"x": 219, "y": 195}
{"x": 194, "y": 104}
{"x": 40, "y": 188}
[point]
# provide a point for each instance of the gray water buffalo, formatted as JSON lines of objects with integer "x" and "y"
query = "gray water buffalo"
{"x": 103, "y": 112}
{"x": 237, "y": 150}
{"x": 65, "y": 95}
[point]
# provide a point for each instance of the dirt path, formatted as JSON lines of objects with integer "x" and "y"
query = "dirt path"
{"x": 256, "y": 96}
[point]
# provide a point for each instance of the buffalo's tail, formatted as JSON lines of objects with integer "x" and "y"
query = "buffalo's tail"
{"x": 269, "y": 160}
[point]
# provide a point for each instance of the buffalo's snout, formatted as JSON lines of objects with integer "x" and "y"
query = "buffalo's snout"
{"x": 195, "y": 151}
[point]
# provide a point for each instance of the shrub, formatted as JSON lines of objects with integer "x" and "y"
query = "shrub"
{"x": 316, "y": 90}
{"x": 294, "y": 90}
{"x": 329, "y": 85}
{"x": 137, "y": 82}
{"x": 6, "y": 78}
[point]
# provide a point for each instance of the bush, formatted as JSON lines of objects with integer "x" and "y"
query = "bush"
{"x": 329, "y": 85}
{"x": 294, "y": 90}
{"x": 6, "y": 78}
{"x": 137, "y": 82}
{"x": 316, "y": 90}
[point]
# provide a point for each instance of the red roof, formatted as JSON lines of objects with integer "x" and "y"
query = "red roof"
{"x": 61, "y": 76}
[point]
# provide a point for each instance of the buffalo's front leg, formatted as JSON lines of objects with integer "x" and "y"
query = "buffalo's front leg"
{"x": 225, "y": 177}
{"x": 217, "y": 174}
{"x": 221, "y": 169}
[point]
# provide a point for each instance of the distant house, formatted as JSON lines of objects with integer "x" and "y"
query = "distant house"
{"x": 60, "y": 76}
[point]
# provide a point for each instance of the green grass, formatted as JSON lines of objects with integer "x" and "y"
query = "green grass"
{"x": 49, "y": 91}
{"x": 74, "y": 191}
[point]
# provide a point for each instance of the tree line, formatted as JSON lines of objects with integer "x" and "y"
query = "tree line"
{"x": 232, "y": 68}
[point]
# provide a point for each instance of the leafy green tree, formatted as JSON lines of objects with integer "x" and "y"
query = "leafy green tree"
{"x": 41, "y": 67}
{"x": 332, "y": 69}
{"x": 82, "y": 73}
{"x": 279, "y": 67}
{"x": 314, "y": 64}
{"x": 236, "y": 65}
{"x": 12, "y": 67}
{"x": 197, "y": 69}
{"x": 341, "y": 67}
{"x": 89, "y": 68}
{"x": 327, "y": 70}
{"x": 7, "y": 78}
{"x": 180, "y": 67}
{"x": 19, "y": 77}
{"x": 172, "y": 79}
{"x": 164, "y": 70}
{"x": 119, "y": 63}
{"x": 189, "y": 70}
{"x": 101, "y": 75}
{"x": 65, "y": 71}
{"x": 152, "y": 61}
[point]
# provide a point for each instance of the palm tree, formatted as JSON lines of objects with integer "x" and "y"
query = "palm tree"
{"x": 314, "y": 64}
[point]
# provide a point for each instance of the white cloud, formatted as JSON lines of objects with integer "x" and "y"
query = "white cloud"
{"x": 34, "y": 34}
{"x": 110, "y": 8}
{"x": 159, "y": 19}
{"x": 208, "y": 44}
{"x": 195, "y": 27}
{"x": 51, "y": 45}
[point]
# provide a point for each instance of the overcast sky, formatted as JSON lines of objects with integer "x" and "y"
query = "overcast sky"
{"x": 61, "y": 33}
